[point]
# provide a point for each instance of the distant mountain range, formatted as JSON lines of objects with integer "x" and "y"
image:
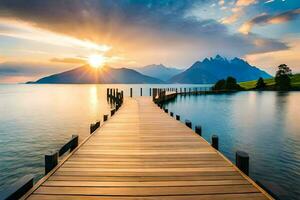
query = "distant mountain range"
{"x": 86, "y": 74}
{"x": 208, "y": 71}
{"x": 213, "y": 69}
{"x": 159, "y": 71}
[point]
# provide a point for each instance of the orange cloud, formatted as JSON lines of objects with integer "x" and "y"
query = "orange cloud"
{"x": 265, "y": 19}
{"x": 245, "y": 2}
{"x": 238, "y": 11}
{"x": 24, "y": 30}
{"x": 231, "y": 19}
{"x": 270, "y": 60}
{"x": 69, "y": 60}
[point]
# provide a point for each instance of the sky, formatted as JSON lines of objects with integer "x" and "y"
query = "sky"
{"x": 41, "y": 37}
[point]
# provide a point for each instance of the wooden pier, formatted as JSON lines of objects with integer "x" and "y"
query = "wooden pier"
{"x": 142, "y": 153}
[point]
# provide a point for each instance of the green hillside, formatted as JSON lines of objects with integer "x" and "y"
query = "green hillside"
{"x": 249, "y": 85}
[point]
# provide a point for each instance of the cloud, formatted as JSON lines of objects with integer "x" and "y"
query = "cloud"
{"x": 269, "y": 1}
{"x": 265, "y": 19}
{"x": 232, "y": 18}
{"x": 25, "y": 30}
{"x": 245, "y": 2}
{"x": 68, "y": 60}
{"x": 140, "y": 31}
{"x": 270, "y": 60}
{"x": 221, "y": 2}
{"x": 237, "y": 11}
{"x": 23, "y": 72}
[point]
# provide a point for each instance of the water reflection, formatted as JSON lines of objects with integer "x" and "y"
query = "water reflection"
{"x": 94, "y": 95}
{"x": 36, "y": 119}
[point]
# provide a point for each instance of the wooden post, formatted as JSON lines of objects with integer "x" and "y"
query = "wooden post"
{"x": 242, "y": 161}
{"x": 154, "y": 94}
{"x": 74, "y": 142}
{"x": 166, "y": 110}
{"x": 178, "y": 117}
{"x": 93, "y": 127}
{"x": 114, "y": 90}
{"x": 18, "y": 189}
{"x": 198, "y": 130}
{"x": 215, "y": 142}
{"x": 141, "y": 91}
{"x": 51, "y": 161}
{"x": 105, "y": 117}
{"x": 112, "y": 112}
{"x": 150, "y": 92}
{"x": 171, "y": 114}
{"x": 107, "y": 92}
{"x": 121, "y": 97}
{"x": 188, "y": 123}
{"x": 130, "y": 92}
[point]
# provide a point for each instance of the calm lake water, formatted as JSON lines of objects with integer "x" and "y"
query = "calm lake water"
{"x": 36, "y": 119}
{"x": 264, "y": 124}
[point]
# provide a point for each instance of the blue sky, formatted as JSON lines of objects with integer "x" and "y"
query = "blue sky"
{"x": 49, "y": 36}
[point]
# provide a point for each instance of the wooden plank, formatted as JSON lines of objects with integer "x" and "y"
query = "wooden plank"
{"x": 145, "y": 178}
{"x": 126, "y": 173}
{"x": 147, "y": 191}
{"x": 247, "y": 196}
{"x": 144, "y": 184}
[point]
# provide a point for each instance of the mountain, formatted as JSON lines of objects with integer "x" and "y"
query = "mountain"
{"x": 211, "y": 70}
{"x": 159, "y": 71}
{"x": 86, "y": 74}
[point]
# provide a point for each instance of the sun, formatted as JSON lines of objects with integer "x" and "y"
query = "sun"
{"x": 96, "y": 60}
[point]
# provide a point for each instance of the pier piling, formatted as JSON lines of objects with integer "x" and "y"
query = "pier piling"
{"x": 18, "y": 189}
{"x": 198, "y": 130}
{"x": 242, "y": 161}
{"x": 105, "y": 117}
{"x": 112, "y": 112}
{"x": 188, "y": 123}
{"x": 93, "y": 127}
{"x": 215, "y": 142}
{"x": 74, "y": 142}
{"x": 51, "y": 161}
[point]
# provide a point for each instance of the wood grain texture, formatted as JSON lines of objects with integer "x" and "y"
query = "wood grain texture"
{"x": 141, "y": 153}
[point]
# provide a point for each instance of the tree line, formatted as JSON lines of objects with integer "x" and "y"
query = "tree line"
{"x": 282, "y": 81}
